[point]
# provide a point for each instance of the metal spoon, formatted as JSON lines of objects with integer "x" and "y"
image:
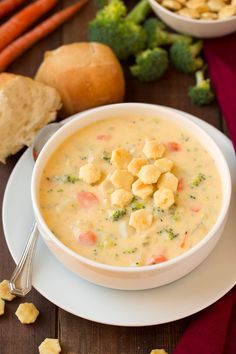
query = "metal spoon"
{"x": 20, "y": 282}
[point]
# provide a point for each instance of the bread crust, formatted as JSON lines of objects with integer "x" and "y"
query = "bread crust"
{"x": 5, "y": 78}
{"x": 25, "y": 107}
{"x": 85, "y": 74}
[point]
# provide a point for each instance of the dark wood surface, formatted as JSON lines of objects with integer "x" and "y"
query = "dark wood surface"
{"x": 79, "y": 336}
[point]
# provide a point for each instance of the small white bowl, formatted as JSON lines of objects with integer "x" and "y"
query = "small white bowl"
{"x": 132, "y": 278}
{"x": 192, "y": 27}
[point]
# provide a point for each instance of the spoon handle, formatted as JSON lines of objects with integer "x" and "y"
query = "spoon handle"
{"x": 21, "y": 280}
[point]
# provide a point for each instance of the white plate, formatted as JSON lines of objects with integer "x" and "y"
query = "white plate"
{"x": 206, "y": 284}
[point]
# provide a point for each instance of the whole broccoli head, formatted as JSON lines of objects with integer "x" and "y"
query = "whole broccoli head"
{"x": 150, "y": 64}
{"x": 185, "y": 56}
{"x": 114, "y": 10}
{"x": 125, "y": 38}
{"x": 157, "y": 35}
{"x": 123, "y": 34}
{"x": 202, "y": 92}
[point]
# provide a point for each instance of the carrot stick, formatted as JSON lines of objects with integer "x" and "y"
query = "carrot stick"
{"x": 19, "y": 46}
{"x": 17, "y": 24}
{"x": 7, "y": 6}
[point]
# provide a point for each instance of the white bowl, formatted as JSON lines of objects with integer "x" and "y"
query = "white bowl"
{"x": 132, "y": 278}
{"x": 195, "y": 28}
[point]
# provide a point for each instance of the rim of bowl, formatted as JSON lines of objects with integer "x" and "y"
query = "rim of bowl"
{"x": 190, "y": 20}
{"x": 223, "y": 210}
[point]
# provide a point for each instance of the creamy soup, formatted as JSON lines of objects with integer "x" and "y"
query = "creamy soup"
{"x": 130, "y": 192}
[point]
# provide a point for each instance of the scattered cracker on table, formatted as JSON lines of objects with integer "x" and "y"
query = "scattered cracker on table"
{"x": 27, "y": 313}
{"x": 2, "y": 307}
{"x": 5, "y": 292}
{"x": 158, "y": 351}
{"x": 50, "y": 346}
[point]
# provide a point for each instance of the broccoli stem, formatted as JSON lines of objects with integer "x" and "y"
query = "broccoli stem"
{"x": 196, "y": 48}
{"x": 169, "y": 38}
{"x": 174, "y": 37}
{"x": 199, "y": 77}
{"x": 139, "y": 13}
{"x": 199, "y": 62}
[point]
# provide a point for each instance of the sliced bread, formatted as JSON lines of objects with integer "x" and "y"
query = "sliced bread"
{"x": 25, "y": 107}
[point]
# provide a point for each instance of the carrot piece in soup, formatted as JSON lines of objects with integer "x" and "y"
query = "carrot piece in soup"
{"x": 87, "y": 238}
{"x": 173, "y": 146}
{"x": 195, "y": 208}
{"x": 104, "y": 137}
{"x": 180, "y": 186}
{"x": 156, "y": 259}
{"x": 87, "y": 199}
{"x": 184, "y": 239}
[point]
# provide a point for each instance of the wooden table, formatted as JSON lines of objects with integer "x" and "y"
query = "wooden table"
{"x": 79, "y": 336}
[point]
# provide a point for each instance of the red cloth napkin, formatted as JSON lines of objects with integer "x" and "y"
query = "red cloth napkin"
{"x": 220, "y": 54}
{"x": 213, "y": 330}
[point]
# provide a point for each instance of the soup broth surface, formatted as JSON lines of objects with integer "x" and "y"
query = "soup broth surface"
{"x": 84, "y": 211}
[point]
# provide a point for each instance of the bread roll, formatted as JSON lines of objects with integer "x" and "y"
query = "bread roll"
{"x": 85, "y": 74}
{"x": 25, "y": 107}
